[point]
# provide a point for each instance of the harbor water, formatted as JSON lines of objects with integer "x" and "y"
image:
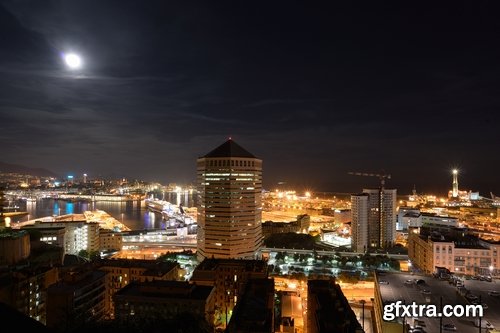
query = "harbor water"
{"x": 133, "y": 214}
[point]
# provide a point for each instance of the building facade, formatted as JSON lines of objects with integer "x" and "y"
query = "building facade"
{"x": 359, "y": 223}
{"x": 155, "y": 300}
{"x": 229, "y": 214}
{"x": 229, "y": 277}
{"x": 121, "y": 272}
{"x": 15, "y": 246}
{"x": 466, "y": 256}
{"x": 78, "y": 235}
{"x": 77, "y": 299}
{"x": 373, "y": 217}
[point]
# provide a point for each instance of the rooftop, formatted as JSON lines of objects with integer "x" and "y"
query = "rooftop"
{"x": 166, "y": 289}
{"x": 253, "y": 312}
{"x": 230, "y": 149}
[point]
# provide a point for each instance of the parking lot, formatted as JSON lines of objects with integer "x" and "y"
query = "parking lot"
{"x": 439, "y": 292}
{"x": 481, "y": 289}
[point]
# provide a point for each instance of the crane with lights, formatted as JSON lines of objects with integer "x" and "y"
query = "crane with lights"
{"x": 381, "y": 176}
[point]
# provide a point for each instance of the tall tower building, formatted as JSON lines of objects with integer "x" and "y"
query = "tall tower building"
{"x": 359, "y": 222}
{"x": 229, "y": 219}
{"x": 454, "y": 189}
{"x": 373, "y": 219}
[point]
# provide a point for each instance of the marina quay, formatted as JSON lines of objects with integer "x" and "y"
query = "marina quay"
{"x": 105, "y": 220}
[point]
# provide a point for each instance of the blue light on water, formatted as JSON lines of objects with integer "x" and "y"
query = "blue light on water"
{"x": 70, "y": 208}
{"x": 56, "y": 208}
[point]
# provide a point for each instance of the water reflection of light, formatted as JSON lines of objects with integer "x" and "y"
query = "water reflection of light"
{"x": 57, "y": 209}
{"x": 149, "y": 220}
{"x": 135, "y": 217}
{"x": 70, "y": 208}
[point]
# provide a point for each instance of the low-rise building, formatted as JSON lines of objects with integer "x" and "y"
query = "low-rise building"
{"x": 121, "y": 272}
{"x": 229, "y": 277}
{"x": 110, "y": 240}
{"x": 78, "y": 234}
{"x": 254, "y": 312}
{"x": 300, "y": 225}
{"x": 163, "y": 300}
{"x": 77, "y": 299}
{"x": 328, "y": 309}
{"x": 15, "y": 246}
{"x": 25, "y": 290}
{"x": 459, "y": 253}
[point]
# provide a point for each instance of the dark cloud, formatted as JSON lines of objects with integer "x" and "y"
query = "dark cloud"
{"x": 315, "y": 90}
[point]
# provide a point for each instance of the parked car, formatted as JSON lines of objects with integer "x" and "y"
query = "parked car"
{"x": 449, "y": 327}
{"x": 494, "y": 293}
{"x": 484, "y": 323}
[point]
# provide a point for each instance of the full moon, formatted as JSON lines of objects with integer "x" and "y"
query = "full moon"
{"x": 73, "y": 61}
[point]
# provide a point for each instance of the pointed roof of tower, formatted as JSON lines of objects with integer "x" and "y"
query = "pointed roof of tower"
{"x": 230, "y": 149}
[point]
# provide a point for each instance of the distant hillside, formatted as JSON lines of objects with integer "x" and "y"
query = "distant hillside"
{"x": 6, "y": 167}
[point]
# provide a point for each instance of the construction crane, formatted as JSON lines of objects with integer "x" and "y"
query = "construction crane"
{"x": 381, "y": 176}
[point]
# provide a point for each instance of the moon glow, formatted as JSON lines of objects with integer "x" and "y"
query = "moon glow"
{"x": 73, "y": 61}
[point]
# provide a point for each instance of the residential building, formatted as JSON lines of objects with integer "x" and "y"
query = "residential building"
{"x": 77, "y": 299}
{"x": 359, "y": 224}
{"x": 328, "y": 309}
{"x": 459, "y": 253}
{"x": 155, "y": 300}
{"x": 229, "y": 277}
{"x": 15, "y": 246}
{"x": 121, "y": 272}
{"x": 78, "y": 234}
{"x": 110, "y": 240}
{"x": 25, "y": 289}
{"x": 373, "y": 219}
{"x": 254, "y": 312}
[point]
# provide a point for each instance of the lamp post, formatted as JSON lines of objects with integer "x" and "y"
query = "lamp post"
{"x": 363, "y": 313}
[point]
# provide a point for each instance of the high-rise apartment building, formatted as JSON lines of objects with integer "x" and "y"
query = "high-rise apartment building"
{"x": 229, "y": 180}
{"x": 359, "y": 222}
{"x": 373, "y": 222}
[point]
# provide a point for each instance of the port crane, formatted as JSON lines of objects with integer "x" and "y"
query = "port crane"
{"x": 381, "y": 176}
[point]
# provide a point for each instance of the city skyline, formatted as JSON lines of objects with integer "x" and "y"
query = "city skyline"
{"x": 317, "y": 90}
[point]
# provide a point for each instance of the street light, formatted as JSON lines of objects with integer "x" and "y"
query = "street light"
{"x": 363, "y": 313}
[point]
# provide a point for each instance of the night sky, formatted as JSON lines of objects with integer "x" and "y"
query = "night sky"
{"x": 314, "y": 91}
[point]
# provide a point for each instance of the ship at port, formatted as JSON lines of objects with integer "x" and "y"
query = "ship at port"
{"x": 175, "y": 215}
